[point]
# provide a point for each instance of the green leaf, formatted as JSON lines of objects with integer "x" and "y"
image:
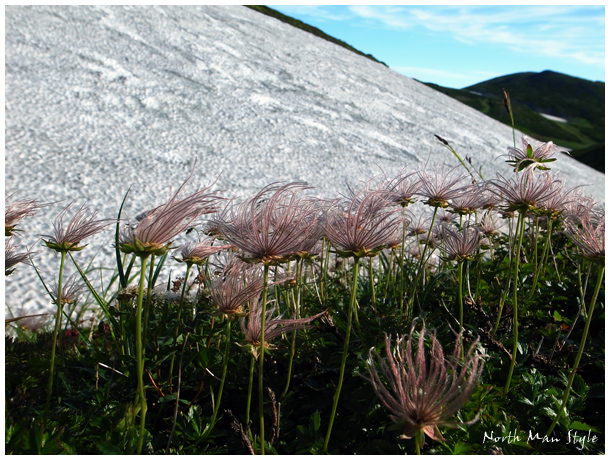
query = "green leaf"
{"x": 581, "y": 426}
{"x": 107, "y": 448}
{"x": 315, "y": 418}
{"x": 461, "y": 448}
{"x": 209, "y": 357}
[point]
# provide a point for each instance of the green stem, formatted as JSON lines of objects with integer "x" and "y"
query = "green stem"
{"x": 55, "y": 333}
{"x": 292, "y": 348}
{"x": 299, "y": 270}
{"x": 461, "y": 303}
{"x": 148, "y": 297}
{"x": 535, "y": 248}
{"x": 261, "y": 360}
{"x": 421, "y": 264}
{"x": 252, "y": 361}
{"x": 171, "y": 366}
{"x": 419, "y": 440}
{"x": 140, "y": 401}
{"x": 352, "y": 307}
{"x": 507, "y": 287}
{"x": 542, "y": 259}
{"x": 224, "y": 374}
{"x": 521, "y": 224}
{"x": 372, "y": 279}
{"x": 581, "y": 348}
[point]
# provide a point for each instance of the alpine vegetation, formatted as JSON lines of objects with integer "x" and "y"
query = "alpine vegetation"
{"x": 303, "y": 295}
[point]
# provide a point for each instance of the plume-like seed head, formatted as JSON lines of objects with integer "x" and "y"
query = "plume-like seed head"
{"x": 71, "y": 290}
{"x": 421, "y": 388}
{"x": 533, "y": 156}
{"x": 154, "y": 229}
{"x": 440, "y": 187}
{"x": 526, "y": 192}
{"x": 275, "y": 225}
{"x": 589, "y": 234}
{"x": 274, "y": 327}
{"x": 459, "y": 245}
{"x": 402, "y": 189}
{"x": 12, "y": 257}
{"x": 237, "y": 285}
{"x": 14, "y": 212}
{"x": 197, "y": 253}
{"x": 363, "y": 226}
{"x": 83, "y": 224}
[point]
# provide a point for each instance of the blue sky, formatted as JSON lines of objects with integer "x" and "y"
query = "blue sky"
{"x": 458, "y": 46}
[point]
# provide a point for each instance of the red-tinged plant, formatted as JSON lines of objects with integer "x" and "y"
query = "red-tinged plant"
{"x": 16, "y": 211}
{"x": 421, "y": 388}
{"x": 533, "y": 155}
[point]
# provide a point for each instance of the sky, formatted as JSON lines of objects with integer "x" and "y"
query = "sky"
{"x": 458, "y": 46}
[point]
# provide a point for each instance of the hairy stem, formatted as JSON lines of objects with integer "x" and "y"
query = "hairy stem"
{"x": 581, "y": 348}
{"x": 140, "y": 402}
{"x": 520, "y": 227}
{"x": 55, "y": 333}
{"x": 352, "y": 307}
{"x": 184, "y": 283}
{"x": 261, "y": 360}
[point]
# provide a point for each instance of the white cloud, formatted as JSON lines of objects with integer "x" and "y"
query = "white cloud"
{"x": 567, "y": 32}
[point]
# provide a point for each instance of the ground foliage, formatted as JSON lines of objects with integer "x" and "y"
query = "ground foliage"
{"x": 94, "y": 389}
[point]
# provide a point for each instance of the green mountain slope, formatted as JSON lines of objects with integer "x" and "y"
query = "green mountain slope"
{"x": 580, "y": 102}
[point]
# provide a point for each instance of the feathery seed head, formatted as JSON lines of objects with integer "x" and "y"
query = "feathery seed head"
{"x": 71, "y": 290}
{"x": 471, "y": 199}
{"x": 274, "y": 327}
{"x": 13, "y": 213}
{"x": 238, "y": 284}
{"x": 274, "y": 225}
{"x": 363, "y": 226}
{"x": 533, "y": 155}
{"x": 424, "y": 389}
{"x": 526, "y": 192}
{"x": 589, "y": 234}
{"x": 459, "y": 245}
{"x": 82, "y": 225}
{"x": 196, "y": 253}
{"x": 439, "y": 187}
{"x": 154, "y": 229}
{"x": 12, "y": 257}
{"x": 402, "y": 188}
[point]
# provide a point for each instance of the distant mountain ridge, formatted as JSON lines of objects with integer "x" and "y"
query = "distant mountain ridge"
{"x": 580, "y": 102}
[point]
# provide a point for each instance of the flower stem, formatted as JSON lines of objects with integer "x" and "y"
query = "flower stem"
{"x": 461, "y": 303}
{"x": 252, "y": 361}
{"x": 299, "y": 270}
{"x": 543, "y": 258}
{"x": 224, "y": 374}
{"x": 148, "y": 297}
{"x": 140, "y": 401}
{"x": 55, "y": 333}
{"x": 581, "y": 348}
{"x": 184, "y": 283}
{"x": 372, "y": 279}
{"x": 261, "y": 360}
{"x": 352, "y": 307}
{"x": 521, "y": 228}
{"x": 419, "y": 268}
{"x": 507, "y": 287}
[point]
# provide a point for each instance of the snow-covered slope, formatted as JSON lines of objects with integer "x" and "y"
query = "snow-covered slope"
{"x": 100, "y": 98}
